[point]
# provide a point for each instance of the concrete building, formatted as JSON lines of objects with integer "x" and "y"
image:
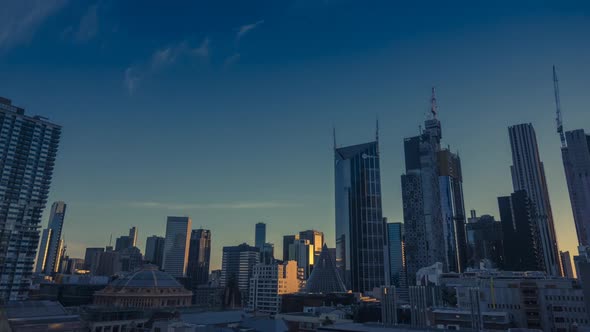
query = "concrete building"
{"x": 28, "y": 158}
{"x": 361, "y": 234}
{"x": 48, "y": 257}
{"x": 528, "y": 174}
{"x": 154, "y": 250}
{"x": 237, "y": 266}
{"x": 90, "y": 256}
{"x": 269, "y": 282}
{"x": 176, "y": 245}
{"x": 28, "y": 316}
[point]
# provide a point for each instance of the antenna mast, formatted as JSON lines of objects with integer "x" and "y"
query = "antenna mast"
{"x": 558, "y": 120}
{"x": 433, "y": 106}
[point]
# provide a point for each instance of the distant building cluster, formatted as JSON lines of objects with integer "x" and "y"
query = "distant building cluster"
{"x": 437, "y": 268}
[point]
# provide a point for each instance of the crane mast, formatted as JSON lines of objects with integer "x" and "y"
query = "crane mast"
{"x": 558, "y": 120}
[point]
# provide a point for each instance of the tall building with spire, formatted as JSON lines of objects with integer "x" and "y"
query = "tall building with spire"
{"x": 49, "y": 255}
{"x": 432, "y": 194}
{"x": 361, "y": 235}
{"x": 528, "y": 174}
{"x": 30, "y": 145}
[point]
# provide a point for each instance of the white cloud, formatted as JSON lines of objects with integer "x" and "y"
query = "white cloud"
{"x": 88, "y": 24}
{"x": 20, "y": 19}
{"x": 244, "y": 29}
{"x": 223, "y": 206}
{"x": 161, "y": 58}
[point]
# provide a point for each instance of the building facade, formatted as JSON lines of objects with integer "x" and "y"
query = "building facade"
{"x": 484, "y": 241}
{"x": 316, "y": 238}
{"x": 303, "y": 253}
{"x": 48, "y": 257}
{"x": 237, "y": 266}
{"x": 154, "y": 250}
{"x": 395, "y": 234}
{"x": 269, "y": 282}
{"x": 520, "y": 233}
{"x": 29, "y": 148}
{"x": 176, "y": 245}
{"x": 361, "y": 235}
{"x": 260, "y": 235}
{"x": 528, "y": 174}
{"x": 90, "y": 257}
{"x": 287, "y": 241}
{"x": 199, "y": 257}
{"x": 576, "y": 162}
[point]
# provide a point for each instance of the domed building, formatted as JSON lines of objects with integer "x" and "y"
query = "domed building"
{"x": 145, "y": 288}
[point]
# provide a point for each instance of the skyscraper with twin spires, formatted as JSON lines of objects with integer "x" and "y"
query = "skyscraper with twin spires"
{"x": 361, "y": 235}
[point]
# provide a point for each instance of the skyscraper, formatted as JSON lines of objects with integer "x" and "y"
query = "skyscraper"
{"x": 316, "y": 238}
{"x": 237, "y": 265}
{"x": 269, "y": 282}
{"x": 528, "y": 174}
{"x": 303, "y": 252}
{"x": 28, "y": 156}
{"x": 154, "y": 250}
{"x": 49, "y": 249}
{"x": 199, "y": 256}
{"x": 91, "y": 256}
{"x": 453, "y": 209}
{"x": 566, "y": 264}
{"x": 133, "y": 236}
{"x": 520, "y": 233}
{"x": 287, "y": 241}
{"x": 176, "y": 245}
{"x": 576, "y": 162}
{"x": 361, "y": 243}
{"x": 395, "y": 233}
{"x": 484, "y": 241}
{"x": 260, "y": 235}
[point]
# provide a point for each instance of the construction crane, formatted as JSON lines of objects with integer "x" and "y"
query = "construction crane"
{"x": 558, "y": 120}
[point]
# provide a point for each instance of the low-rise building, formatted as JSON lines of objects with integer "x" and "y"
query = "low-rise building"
{"x": 269, "y": 282}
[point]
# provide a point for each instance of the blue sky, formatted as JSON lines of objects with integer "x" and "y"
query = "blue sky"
{"x": 223, "y": 110}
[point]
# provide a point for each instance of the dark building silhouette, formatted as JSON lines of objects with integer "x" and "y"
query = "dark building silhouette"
{"x": 287, "y": 241}
{"x": 199, "y": 257}
{"x": 485, "y": 241}
{"x": 520, "y": 233}
{"x": 154, "y": 250}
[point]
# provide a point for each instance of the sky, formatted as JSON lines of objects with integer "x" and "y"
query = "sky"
{"x": 223, "y": 110}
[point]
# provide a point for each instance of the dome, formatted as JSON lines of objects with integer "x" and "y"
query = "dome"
{"x": 148, "y": 276}
{"x": 144, "y": 288}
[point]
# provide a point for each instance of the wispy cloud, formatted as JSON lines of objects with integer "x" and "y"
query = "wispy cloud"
{"x": 20, "y": 19}
{"x": 231, "y": 60}
{"x": 244, "y": 29}
{"x": 162, "y": 58}
{"x": 88, "y": 24}
{"x": 222, "y": 206}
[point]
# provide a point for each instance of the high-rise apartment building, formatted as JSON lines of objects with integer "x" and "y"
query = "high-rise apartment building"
{"x": 176, "y": 245}
{"x": 91, "y": 256}
{"x": 237, "y": 266}
{"x": 520, "y": 233}
{"x": 199, "y": 257}
{"x": 28, "y": 148}
{"x": 154, "y": 250}
{"x": 269, "y": 282}
{"x": 528, "y": 174}
{"x": 576, "y": 162}
{"x": 395, "y": 234}
{"x": 260, "y": 235}
{"x": 361, "y": 235}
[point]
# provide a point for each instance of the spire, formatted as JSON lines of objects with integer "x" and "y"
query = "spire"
{"x": 433, "y": 106}
{"x": 334, "y": 137}
{"x": 377, "y": 129}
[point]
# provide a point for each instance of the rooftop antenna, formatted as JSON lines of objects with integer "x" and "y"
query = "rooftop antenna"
{"x": 433, "y": 106}
{"x": 558, "y": 120}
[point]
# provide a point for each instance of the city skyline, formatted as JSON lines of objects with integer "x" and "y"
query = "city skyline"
{"x": 143, "y": 187}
